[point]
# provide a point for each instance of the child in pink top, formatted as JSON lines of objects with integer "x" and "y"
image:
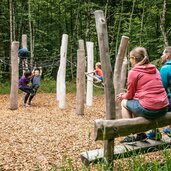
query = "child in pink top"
{"x": 146, "y": 95}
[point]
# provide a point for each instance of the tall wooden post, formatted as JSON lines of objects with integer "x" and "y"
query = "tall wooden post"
{"x": 124, "y": 74}
{"x": 14, "y": 76}
{"x": 24, "y": 41}
{"x": 61, "y": 75}
{"x": 101, "y": 27}
{"x": 117, "y": 72}
{"x": 90, "y": 68}
{"x": 81, "y": 44}
{"x": 80, "y": 94}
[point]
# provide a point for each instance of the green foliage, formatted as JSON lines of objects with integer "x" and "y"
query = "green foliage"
{"x": 140, "y": 20}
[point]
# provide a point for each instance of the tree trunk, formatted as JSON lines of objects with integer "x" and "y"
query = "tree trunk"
{"x": 31, "y": 34}
{"x": 119, "y": 27}
{"x": 162, "y": 24}
{"x": 142, "y": 24}
{"x": 130, "y": 19}
{"x": 11, "y": 21}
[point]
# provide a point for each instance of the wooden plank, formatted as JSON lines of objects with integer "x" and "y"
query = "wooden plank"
{"x": 123, "y": 150}
{"x": 108, "y": 129}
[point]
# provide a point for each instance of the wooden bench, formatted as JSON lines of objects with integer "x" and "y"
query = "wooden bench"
{"x": 110, "y": 129}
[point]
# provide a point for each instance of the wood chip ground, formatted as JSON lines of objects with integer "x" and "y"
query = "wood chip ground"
{"x": 42, "y": 136}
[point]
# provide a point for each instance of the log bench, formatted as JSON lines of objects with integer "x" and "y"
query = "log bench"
{"x": 110, "y": 129}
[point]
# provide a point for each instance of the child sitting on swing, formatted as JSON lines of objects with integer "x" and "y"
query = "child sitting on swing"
{"x": 98, "y": 75}
{"x": 98, "y": 72}
{"x": 35, "y": 80}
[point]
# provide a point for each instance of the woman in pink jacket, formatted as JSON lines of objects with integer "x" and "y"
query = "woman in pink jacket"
{"x": 145, "y": 94}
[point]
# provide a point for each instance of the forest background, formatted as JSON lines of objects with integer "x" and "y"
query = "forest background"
{"x": 147, "y": 23}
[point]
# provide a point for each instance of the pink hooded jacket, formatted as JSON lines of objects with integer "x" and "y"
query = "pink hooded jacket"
{"x": 144, "y": 83}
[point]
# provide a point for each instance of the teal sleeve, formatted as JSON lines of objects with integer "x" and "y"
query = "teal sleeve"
{"x": 164, "y": 77}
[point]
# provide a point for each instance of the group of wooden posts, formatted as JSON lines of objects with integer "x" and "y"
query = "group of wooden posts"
{"x": 81, "y": 63}
{"x": 112, "y": 126}
{"x": 107, "y": 130}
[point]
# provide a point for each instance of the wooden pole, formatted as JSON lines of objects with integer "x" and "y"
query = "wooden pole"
{"x": 81, "y": 44}
{"x": 90, "y": 68}
{"x": 124, "y": 127}
{"x": 24, "y": 41}
{"x": 117, "y": 71}
{"x": 80, "y": 94}
{"x": 14, "y": 76}
{"x": 101, "y": 28}
{"x": 124, "y": 74}
{"x": 61, "y": 75}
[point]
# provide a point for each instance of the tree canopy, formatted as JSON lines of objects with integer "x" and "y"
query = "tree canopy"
{"x": 147, "y": 23}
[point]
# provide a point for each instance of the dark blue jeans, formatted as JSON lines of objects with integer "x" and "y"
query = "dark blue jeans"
{"x": 29, "y": 92}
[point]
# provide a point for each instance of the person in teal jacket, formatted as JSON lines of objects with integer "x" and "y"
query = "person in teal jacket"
{"x": 165, "y": 73}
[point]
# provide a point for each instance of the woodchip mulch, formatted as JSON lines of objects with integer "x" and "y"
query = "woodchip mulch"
{"x": 43, "y": 136}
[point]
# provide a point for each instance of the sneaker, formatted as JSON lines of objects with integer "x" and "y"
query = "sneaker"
{"x": 26, "y": 105}
{"x": 141, "y": 137}
{"x": 167, "y": 131}
{"x": 128, "y": 140}
{"x": 154, "y": 135}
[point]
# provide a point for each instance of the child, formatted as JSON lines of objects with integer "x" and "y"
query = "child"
{"x": 23, "y": 55}
{"x": 37, "y": 72}
{"x": 98, "y": 72}
{"x": 23, "y": 85}
{"x": 98, "y": 77}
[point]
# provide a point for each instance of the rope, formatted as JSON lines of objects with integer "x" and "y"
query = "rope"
{"x": 88, "y": 75}
{"x": 71, "y": 63}
{"x": 4, "y": 62}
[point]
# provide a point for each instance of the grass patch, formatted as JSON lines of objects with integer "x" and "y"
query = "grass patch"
{"x": 49, "y": 86}
{"x": 5, "y": 88}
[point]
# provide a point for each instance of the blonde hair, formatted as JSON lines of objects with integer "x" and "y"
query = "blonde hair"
{"x": 98, "y": 64}
{"x": 140, "y": 55}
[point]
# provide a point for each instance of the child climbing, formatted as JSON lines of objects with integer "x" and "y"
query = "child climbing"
{"x": 23, "y": 55}
{"x": 24, "y": 86}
